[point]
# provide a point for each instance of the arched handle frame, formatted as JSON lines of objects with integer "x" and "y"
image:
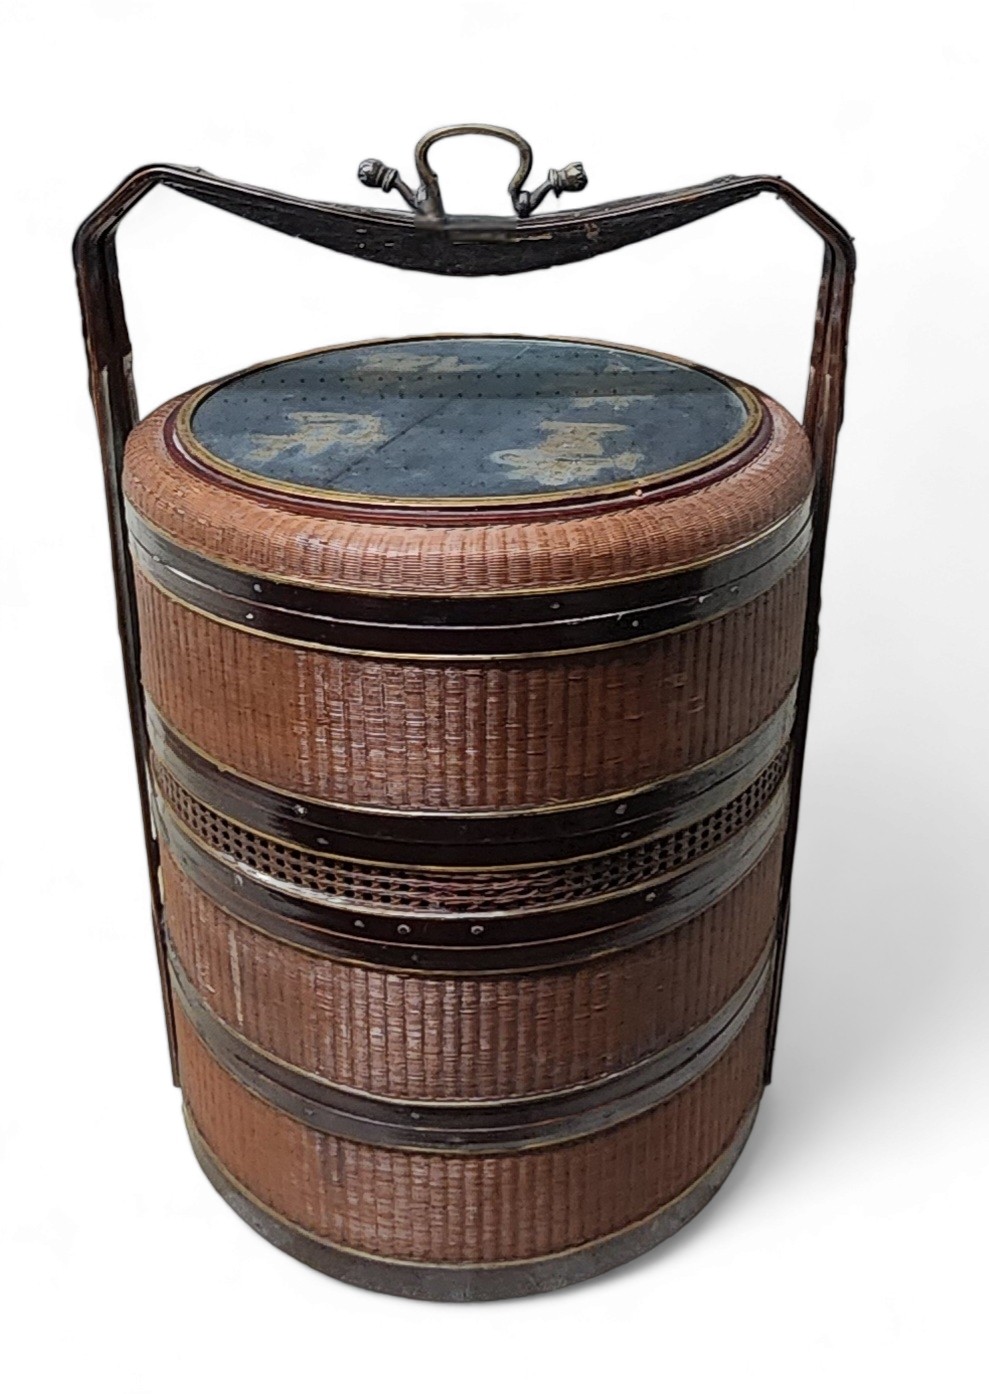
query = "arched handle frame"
{"x": 452, "y": 246}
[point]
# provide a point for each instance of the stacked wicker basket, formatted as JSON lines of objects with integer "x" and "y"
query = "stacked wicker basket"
{"x": 469, "y": 683}
{"x": 470, "y": 808}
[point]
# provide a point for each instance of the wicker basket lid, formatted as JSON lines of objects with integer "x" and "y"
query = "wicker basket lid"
{"x": 468, "y": 466}
{"x": 468, "y": 422}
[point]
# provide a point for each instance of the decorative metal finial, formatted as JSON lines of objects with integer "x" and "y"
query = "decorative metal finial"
{"x": 427, "y": 200}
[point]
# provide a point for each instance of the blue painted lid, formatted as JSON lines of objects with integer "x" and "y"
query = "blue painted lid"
{"x": 471, "y": 421}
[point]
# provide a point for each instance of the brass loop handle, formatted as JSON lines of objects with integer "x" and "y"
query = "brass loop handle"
{"x": 429, "y": 197}
{"x": 427, "y": 201}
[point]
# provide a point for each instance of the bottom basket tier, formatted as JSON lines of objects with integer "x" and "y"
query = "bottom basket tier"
{"x": 491, "y": 1203}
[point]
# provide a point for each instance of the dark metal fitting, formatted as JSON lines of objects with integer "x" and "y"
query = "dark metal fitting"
{"x": 427, "y": 199}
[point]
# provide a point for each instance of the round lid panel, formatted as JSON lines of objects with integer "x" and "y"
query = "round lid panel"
{"x": 470, "y": 421}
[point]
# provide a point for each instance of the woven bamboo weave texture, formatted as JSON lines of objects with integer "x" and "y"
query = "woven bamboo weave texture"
{"x": 456, "y": 1208}
{"x": 272, "y": 537}
{"x": 461, "y": 1037}
{"x": 470, "y": 735}
{"x": 571, "y": 1042}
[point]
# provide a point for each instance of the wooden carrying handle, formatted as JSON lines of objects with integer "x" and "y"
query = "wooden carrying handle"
{"x": 429, "y": 240}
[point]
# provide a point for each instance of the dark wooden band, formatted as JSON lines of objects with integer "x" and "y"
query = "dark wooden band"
{"x": 446, "y": 1282}
{"x": 452, "y": 943}
{"x": 464, "y": 838}
{"x": 461, "y": 628}
{"x": 454, "y": 1127}
{"x": 390, "y": 609}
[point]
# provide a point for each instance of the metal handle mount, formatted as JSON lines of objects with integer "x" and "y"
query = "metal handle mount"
{"x": 427, "y": 200}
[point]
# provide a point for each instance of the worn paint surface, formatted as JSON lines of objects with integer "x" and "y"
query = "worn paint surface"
{"x": 467, "y": 418}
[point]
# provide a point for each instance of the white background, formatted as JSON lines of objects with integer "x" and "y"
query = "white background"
{"x": 848, "y": 1249}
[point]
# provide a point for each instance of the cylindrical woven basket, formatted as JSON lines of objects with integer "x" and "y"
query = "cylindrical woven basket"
{"x": 469, "y": 681}
{"x": 470, "y": 809}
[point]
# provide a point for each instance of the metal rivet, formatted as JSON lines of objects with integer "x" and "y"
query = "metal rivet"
{"x": 257, "y": 587}
{"x": 620, "y": 809}
{"x": 635, "y": 624}
{"x": 238, "y": 879}
{"x": 358, "y": 924}
{"x": 477, "y": 929}
{"x": 404, "y": 929}
{"x": 651, "y": 896}
{"x": 249, "y": 615}
{"x": 300, "y": 809}
{"x": 321, "y": 842}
